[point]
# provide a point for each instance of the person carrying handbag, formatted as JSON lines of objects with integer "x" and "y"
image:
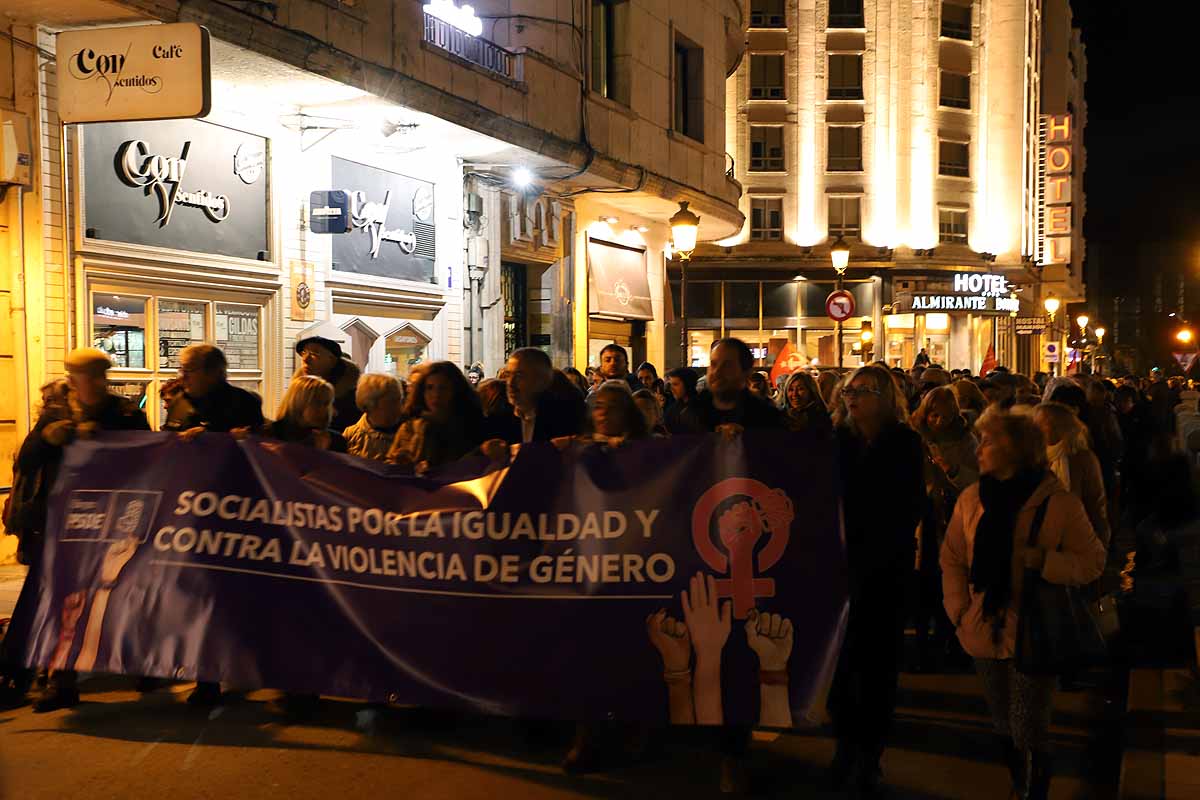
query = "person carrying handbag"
{"x": 984, "y": 561}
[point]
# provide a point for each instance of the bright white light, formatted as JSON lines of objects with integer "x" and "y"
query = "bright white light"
{"x": 462, "y": 18}
{"x": 522, "y": 177}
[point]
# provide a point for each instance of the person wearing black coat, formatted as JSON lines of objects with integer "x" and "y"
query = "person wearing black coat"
{"x": 543, "y": 408}
{"x": 883, "y": 496}
{"x": 728, "y": 401}
{"x": 681, "y": 384}
{"x": 72, "y": 409}
{"x": 209, "y": 402}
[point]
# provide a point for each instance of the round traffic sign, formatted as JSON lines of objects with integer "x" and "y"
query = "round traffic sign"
{"x": 839, "y": 306}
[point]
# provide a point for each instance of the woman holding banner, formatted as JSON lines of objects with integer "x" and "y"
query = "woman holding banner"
{"x": 443, "y": 420}
{"x": 883, "y": 497}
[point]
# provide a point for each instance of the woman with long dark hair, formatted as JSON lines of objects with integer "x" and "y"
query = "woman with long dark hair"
{"x": 681, "y": 383}
{"x": 442, "y": 420}
{"x": 883, "y": 496}
{"x": 803, "y": 407}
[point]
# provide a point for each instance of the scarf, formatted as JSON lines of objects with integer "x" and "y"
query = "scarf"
{"x": 991, "y": 566}
{"x": 1059, "y": 456}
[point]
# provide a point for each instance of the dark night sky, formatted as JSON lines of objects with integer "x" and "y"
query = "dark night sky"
{"x": 1143, "y": 150}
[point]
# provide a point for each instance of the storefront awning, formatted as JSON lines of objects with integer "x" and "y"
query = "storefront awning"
{"x": 617, "y": 282}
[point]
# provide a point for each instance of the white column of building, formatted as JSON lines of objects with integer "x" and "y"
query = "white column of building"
{"x": 921, "y": 220}
{"x": 810, "y": 170}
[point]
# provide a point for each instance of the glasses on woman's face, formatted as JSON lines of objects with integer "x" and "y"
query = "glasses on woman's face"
{"x": 850, "y": 392}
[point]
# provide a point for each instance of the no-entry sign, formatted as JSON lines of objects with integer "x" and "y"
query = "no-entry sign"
{"x": 839, "y": 306}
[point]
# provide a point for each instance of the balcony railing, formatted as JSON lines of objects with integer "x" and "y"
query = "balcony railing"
{"x": 477, "y": 50}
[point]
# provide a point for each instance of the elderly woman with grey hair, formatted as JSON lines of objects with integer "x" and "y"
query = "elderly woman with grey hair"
{"x": 381, "y": 399}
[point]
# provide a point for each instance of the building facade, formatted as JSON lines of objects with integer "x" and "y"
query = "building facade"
{"x": 411, "y": 179}
{"x": 912, "y": 131}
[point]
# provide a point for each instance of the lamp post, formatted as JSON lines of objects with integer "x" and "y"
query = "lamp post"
{"x": 1082, "y": 321}
{"x": 684, "y": 227}
{"x": 839, "y": 253}
{"x": 1098, "y": 357}
{"x": 1051, "y": 304}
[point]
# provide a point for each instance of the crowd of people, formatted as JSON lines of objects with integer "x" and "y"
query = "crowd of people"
{"x": 952, "y": 485}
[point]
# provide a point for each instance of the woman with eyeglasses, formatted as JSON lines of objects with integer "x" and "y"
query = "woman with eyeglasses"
{"x": 883, "y": 497}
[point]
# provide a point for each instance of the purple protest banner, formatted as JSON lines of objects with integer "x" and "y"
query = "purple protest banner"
{"x": 582, "y": 583}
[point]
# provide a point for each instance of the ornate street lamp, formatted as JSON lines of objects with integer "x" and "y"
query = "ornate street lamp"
{"x": 1051, "y": 304}
{"x": 684, "y": 227}
{"x": 839, "y": 253}
{"x": 1082, "y": 321}
{"x": 1097, "y": 356}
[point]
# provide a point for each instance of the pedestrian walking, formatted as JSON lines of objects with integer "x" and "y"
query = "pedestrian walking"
{"x": 539, "y": 414}
{"x": 442, "y": 421}
{"x": 76, "y": 408}
{"x": 984, "y": 558}
{"x": 681, "y": 383}
{"x": 883, "y": 497}
{"x": 646, "y": 375}
{"x": 614, "y": 366}
{"x": 804, "y": 408}
{"x": 323, "y": 358}
{"x": 1072, "y": 461}
{"x": 381, "y": 401}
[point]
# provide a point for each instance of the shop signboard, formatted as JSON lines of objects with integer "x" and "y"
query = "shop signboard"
{"x": 237, "y": 334}
{"x": 133, "y": 73}
{"x": 329, "y": 212}
{"x": 391, "y": 219}
{"x": 1030, "y": 325}
{"x": 974, "y": 292}
{"x": 1058, "y": 169}
{"x": 177, "y": 184}
{"x": 617, "y": 282}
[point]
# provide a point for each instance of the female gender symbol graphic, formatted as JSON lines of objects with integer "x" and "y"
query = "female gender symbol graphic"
{"x": 765, "y": 511}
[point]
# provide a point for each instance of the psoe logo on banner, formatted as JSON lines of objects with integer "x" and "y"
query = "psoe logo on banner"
{"x": 744, "y": 512}
{"x": 133, "y": 73}
{"x": 101, "y": 515}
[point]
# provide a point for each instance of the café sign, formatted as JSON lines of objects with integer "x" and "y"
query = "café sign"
{"x": 141, "y": 72}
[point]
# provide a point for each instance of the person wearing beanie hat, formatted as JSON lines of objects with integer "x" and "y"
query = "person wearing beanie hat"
{"x": 323, "y": 358}
{"x": 76, "y": 407}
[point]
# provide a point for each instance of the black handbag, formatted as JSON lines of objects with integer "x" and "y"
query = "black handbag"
{"x": 1056, "y": 632}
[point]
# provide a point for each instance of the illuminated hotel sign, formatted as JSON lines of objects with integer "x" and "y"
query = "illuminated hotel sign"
{"x": 973, "y": 291}
{"x": 1056, "y": 188}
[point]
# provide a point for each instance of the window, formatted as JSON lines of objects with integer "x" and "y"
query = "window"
{"x": 766, "y": 148}
{"x": 956, "y": 21}
{"x": 954, "y": 159}
{"x": 956, "y": 90}
{"x": 845, "y": 77}
{"x": 952, "y": 226}
{"x": 845, "y": 216}
{"x": 766, "y": 77}
{"x": 767, "y": 14}
{"x": 845, "y": 149}
{"x": 846, "y": 14}
{"x": 610, "y": 64}
{"x": 689, "y": 89}
{"x": 766, "y": 219}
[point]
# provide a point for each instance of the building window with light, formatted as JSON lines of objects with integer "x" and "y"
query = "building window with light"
{"x": 845, "y": 149}
{"x": 845, "y": 217}
{"x": 956, "y": 90}
{"x": 956, "y": 20}
{"x": 845, "y": 76}
{"x": 954, "y": 159}
{"x": 766, "y": 77}
{"x": 766, "y": 148}
{"x": 689, "y": 88}
{"x": 766, "y": 219}
{"x": 846, "y": 14}
{"x": 767, "y": 14}
{"x": 611, "y": 59}
{"x": 952, "y": 226}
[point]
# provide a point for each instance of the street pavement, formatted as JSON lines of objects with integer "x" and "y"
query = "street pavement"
{"x": 11, "y": 578}
{"x": 119, "y": 744}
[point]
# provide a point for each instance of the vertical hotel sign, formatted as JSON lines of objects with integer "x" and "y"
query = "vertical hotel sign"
{"x": 134, "y": 73}
{"x": 1057, "y": 167}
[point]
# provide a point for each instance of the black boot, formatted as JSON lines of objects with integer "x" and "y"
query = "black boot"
{"x": 1014, "y": 759}
{"x": 1039, "y": 777}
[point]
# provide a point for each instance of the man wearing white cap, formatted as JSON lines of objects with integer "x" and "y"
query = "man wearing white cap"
{"x": 73, "y": 408}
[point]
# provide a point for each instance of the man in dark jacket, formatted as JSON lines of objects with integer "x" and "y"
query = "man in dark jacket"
{"x": 209, "y": 402}
{"x": 323, "y": 357}
{"x": 539, "y": 413}
{"x": 74, "y": 409}
{"x": 614, "y": 366}
{"x": 727, "y": 405}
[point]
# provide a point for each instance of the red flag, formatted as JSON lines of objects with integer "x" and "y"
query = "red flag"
{"x": 788, "y": 360}
{"x": 989, "y": 361}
